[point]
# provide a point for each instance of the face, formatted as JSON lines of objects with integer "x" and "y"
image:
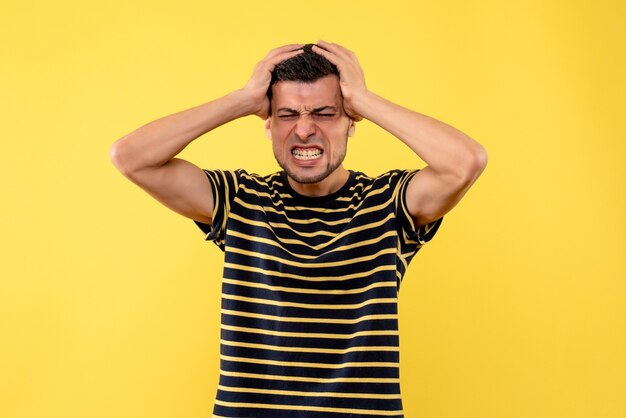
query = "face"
{"x": 309, "y": 128}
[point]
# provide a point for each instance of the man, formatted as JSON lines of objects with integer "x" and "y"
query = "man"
{"x": 314, "y": 254}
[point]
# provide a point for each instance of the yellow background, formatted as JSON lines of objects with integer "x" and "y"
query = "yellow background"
{"x": 109, "y": 303}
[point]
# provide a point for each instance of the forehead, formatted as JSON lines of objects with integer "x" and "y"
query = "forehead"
{"x": 298, "y": 95}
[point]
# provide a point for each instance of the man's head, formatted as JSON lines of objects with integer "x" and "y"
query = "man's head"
{"x": 308, "y": 125}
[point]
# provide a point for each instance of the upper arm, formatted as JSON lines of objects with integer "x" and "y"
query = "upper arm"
{"x": 181, "y": 186}
{"x": 430, "y": 195}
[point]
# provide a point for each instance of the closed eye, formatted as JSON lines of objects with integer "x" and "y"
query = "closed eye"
{"x": 288, "y": 117}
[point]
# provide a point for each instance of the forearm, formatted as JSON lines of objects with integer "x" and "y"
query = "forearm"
{"x": 444, "y": 148}
{"x": 157, "y": 142}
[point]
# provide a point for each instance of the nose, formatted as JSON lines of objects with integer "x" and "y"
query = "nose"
{"x": 305, "y": 127}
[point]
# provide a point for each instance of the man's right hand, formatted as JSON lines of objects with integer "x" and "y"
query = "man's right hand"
{"x": 256, "y": 88}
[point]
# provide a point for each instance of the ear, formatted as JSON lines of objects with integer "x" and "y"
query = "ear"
{"x": 268, "y": 123}
{"x": 351, "y": 127}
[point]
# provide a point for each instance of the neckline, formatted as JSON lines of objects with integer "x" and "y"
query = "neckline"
{"x": 318, "y": 199}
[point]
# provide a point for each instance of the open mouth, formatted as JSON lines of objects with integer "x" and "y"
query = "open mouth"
{"x": 304, "y": 154}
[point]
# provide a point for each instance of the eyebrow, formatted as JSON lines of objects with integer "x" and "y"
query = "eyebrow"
{"x": 316, "y": 110}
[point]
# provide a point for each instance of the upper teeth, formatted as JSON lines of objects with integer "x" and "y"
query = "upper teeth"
{"x": 306, "y": 154}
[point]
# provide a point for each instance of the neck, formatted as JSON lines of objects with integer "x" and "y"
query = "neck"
{"x": 329, "y": 185}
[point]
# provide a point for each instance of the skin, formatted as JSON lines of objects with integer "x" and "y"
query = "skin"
{"x": 146, "y": 156}
{"x": 309, "y": 118}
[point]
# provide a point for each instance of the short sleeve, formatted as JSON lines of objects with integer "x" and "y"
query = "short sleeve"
{"x": 410, "y": 234}
{"x": 224, "y": 185}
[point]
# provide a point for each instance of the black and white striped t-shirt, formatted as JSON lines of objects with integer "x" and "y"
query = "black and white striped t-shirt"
{"x": 309, "y": 294}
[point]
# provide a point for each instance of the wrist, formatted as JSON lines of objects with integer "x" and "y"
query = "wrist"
{"x": 362, "y": 102}
{"x": 241, "y": 104}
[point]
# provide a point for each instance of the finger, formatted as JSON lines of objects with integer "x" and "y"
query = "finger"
{"x": 335, "y": 48}
{"x": 343, "y": 64}
{"x": 336, "y": 56}
{"x": 270, "y": 62}
{"x": 284, "y": 48}
{"x": 326, "y": 54}
{"x": 285, "y": 52}
{"x": 274, "y": 61}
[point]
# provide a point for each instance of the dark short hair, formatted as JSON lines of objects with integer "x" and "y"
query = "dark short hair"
{"x": 306, "y": 67}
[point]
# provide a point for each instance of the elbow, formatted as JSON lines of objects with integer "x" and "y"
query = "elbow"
{"x": 116, "y": 155}
{"x": 119, "y": 157}
{"x": 475, "y": 162}
{"x": 480, "y": 159}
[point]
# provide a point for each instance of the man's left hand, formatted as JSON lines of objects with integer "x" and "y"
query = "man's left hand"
{"x": 351, "y": 77}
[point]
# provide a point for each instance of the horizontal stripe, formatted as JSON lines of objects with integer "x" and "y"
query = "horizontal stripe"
{"x": 310, "y": 319}
{"x": 307, "y": 221}
{"x": 309, "y": 334}
{"x": 355, "y": 260}
{"x": 273, "y": 273}
{"x": 355, "y": 195}
{"x": 280, "y": 201}
{"x": 308, "y": 291}
{"x": 279, "y": 225}
{"x": 312, "y": 394}
{"x": 308, "y": 364}
{"x": 308, "y": 305}
{"x": 272, "y": 226}
{"x": 281, "y": 244}
{"x": 306, "y": 350}
{"x": 390, "y": 380}
{"x": 308, "y": 408}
